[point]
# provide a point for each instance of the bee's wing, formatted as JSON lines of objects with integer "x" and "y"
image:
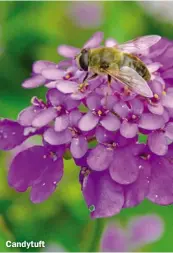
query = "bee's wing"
{"x": 139, "y": 44}
{"x": 132, "y": 79}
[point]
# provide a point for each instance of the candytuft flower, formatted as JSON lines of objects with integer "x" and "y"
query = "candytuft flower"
{"x": 140, "y": 231}
{"x": 86, "y": 14}
{"x": 99, "y": 125}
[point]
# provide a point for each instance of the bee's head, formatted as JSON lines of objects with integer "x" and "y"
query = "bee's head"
{"x": 82, "y": 60}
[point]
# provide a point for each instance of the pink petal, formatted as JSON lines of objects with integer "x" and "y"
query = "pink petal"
{"x": 52, "y": 73}
{"x": 151, "y": 121}
{"x": 110, "y": 42}
{"x": 67, "y": 87}
{"x": 26, "y": 116}
{"x": 46, "y": 184}
{"x": 136, "y": 192}
{"x": 79, "y": 147}
{"x": 103, "y": 194}
{"x": 52, "y": 84}
{"x": 94, "y": 41}
{"x": 136, "y": 106}
{"x": 68, "y": 51}
{"x": 128, "y": 130}
{"x": 88, "y": 122}
{"x": 121, "y": 109}
{"x": 161, "y": 182}
{"x": 153, "y": 67}
{"x": 93, "y": 102}
{"x": 57, "y": 138}
{"x": 157, "y": 143}
{"x": 110, "y": 122}
{"x": 156, "y": 108}
{"x": 44, "y": 117}
{"x": 121, "y": 171}
{"x": 11, "y": 134}
{"x": 167, "y": 100}
{"x": 169, "y": 131}
{"x": 74, "y": 117}
{"x": 34, "y": 82}
{"x": 61, "y": 123}
{"x": 55, "y": 97}
{"x": 38, "y": 66}
{"x": 167, "y": 74}
{"x": 77, "y": 95}
{"x": 145, "y": 229}
{"x": 114, "y": 239}
{"x": 100, "y": 158}
{"x": 109, "y": 101}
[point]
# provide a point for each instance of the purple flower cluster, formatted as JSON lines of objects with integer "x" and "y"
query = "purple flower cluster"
{"x": 139, "y": 232}
{"x": 101, "y": 126}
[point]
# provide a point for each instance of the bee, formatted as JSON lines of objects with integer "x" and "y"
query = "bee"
{"x": 119, "y": 63}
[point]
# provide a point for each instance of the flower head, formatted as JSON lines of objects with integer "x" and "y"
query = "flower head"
{"x": 117, "y": 171}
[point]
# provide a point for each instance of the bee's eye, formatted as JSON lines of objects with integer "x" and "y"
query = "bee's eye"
{"x": 83, "y": 60}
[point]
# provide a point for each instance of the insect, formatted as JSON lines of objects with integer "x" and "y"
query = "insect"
{"x": 119, "y": 63}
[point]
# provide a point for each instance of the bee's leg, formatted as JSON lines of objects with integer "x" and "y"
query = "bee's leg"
{"x": 86, "y": 78}
{"x": 92, "y": 77}
{"x": 109, "y": 80}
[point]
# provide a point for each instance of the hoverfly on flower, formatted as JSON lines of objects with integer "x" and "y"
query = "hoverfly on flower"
{"x": 118, "y": 64}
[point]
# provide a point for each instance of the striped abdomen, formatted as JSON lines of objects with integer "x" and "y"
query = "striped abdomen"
{"x": 135, "y": 63}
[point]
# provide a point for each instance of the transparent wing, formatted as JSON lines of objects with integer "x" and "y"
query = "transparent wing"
{"x": 132, "y": 79}
{"x": 139, "y": 44}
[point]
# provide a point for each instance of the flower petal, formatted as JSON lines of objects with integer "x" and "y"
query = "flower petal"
{"x": 34, "y": 82}
{"x": 67, "y": 87}
{"x": 55, "y": 97}
{"x": 157, "y": 143}
{"x": 128, "y": 130}
{"x": 121, "y": 171}
{"x": 57, "y": 138}
{"x": 145, "y": 229}
{"x": 151, "y": 121}
{"x": 26, "y": 116}
{"x": 100, "y": 158}
{"x": 110, "y": 42}
{"x": 114, "y": 239}
{"x": 102, "y": 195}
{"x": 27, "y": 167}
{"x": 136, "y": 106}
{"x": 137, "y": 191}
{"x": 68, "y": 51}
{"x": 167, "y": 100}
{"x": 79, "y": 147}
{"x": 46, "y": 184}
{"x": 61, "y": 123}
{"x": 93, "y": 102}
{"x": 70, "y": 104}
{"x": 156, "y": 108}
{"x": 161, "y": 182}
{"x": 74, "y": 117}
{"x": 169, "y": 131}
{"x": 52, "y": 73}
{"x": 38, "y": 66}
{"x": 88, "y": 122}
{"x": 11, "y": 134}
{"x": 109, "y": 101}
{"x": 94, "y": 41}
{"x": 104, "y": 136}
{"x": 121, "y": 109}
{"x": 110, "y": 122}
{"x": 44, "y": 117}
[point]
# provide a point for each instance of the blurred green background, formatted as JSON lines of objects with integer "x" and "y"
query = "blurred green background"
{"x": 31, "y": 31}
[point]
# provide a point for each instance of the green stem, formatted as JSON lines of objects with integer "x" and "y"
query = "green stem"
{"x": 97, "y": 233}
